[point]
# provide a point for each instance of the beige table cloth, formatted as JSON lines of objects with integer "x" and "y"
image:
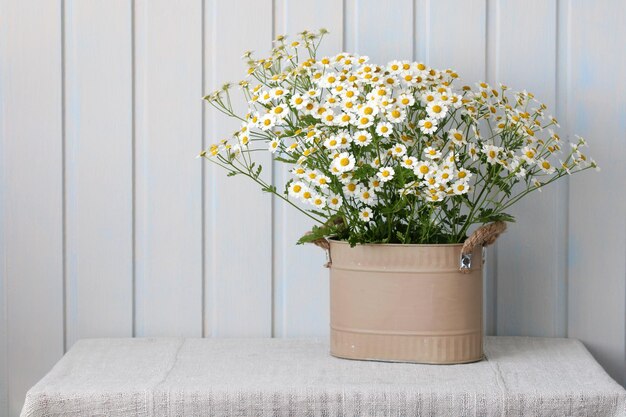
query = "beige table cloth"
{"x": 277, "y": 377}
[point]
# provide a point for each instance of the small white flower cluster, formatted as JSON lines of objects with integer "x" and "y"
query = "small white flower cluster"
{"x": 377, "y": 144}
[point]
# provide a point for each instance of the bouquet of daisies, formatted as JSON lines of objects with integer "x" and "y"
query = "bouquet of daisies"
{"x": 389, "y": 154}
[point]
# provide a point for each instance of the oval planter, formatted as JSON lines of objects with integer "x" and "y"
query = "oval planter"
{"x": 405, "y": 303}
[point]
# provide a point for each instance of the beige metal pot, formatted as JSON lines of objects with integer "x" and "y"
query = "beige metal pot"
{"x": 405, "y": 303}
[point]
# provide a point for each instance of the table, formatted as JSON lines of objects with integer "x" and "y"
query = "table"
{"x": 522, "y": 376}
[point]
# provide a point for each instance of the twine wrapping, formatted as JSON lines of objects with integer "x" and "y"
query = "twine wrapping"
{"x": 324, "y": 244}
{"x": 483, "y": 236}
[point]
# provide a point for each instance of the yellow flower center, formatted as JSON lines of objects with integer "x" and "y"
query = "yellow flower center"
{"x": 405, "y": 101}
{"x": 384, "y": 129}
{"x": 351, "y": 187}
{"x": 306, "y": 194}
{"x": 437, "y": 108}
{"x": 278, "y": 110}
{"x": 344, "y": 162}
{"x": 364, "y": 120}
{"x": 332, "y": 142}
{"x": 345, "y": 118}
{"x": 409, "y": 162}
{"x": 297, "y": 188}
{"x": 385, "y": 174}
{"x": 462, "y": 174}
{"x": 368, "y": 110}
{"x": 428, "y": 124}
{"x": 492, "y": 154}
{"x": 458, "y": 136}
{"x": 460, "y": 187}
{"x": 298, "y": 100}
{"x": 545, "y": 165}
{"x": 366, "y": 195}
{"x": 530, "y": 154}
{"x": 395, "y": 113}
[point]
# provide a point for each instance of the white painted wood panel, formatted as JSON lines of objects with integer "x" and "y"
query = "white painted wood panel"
{"x": 168, "y": 200}
{"x": 238, "y": 230}
{"x": 32, "y": 144}
{"x": 596, "y": 109}
{"x": 98, "y": 179}
{"x": 110, "y": 227}
{"x": 301, "y": 303}
{"x": 525, "y": 59}
{"x": 383, "y": 32}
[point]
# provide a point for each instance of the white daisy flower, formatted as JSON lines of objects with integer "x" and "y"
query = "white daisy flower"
{"x": 409, "y": 162}
{"x": 322, "y": 181}
{"x": 318, "y": 201}
{"x": 398, "y": 150}
{"x": 329, "y": 80}
{"x": 344, "y": 119}
{"x": 334, "y": 201}
{"x": 332, "y": 143}
{"x": 394, "y": 67}
{"x": 297, "y": 101}
{"x": 311, "y": 175}
{"x": 492, "y": 153}
{"x": 267, "y": 122}
{"x": 428, "y": 97}
{"x": 460, "y": 187}
{"x": 428, "y": 126}
{"x": 396, "y": 115}
{"x": 384, "y": 129}
{"x": 280, "y": 110}
{"x": 351, "y": 189}
{"x": 432, "y": 153}
{"x": 405, "y": 100}
{"x": 265, "y": 97}
{"x": 344, "y": 162}
{"x": 444, "y": 176}
{"x": 369, "y": 109}
{"x": 546, "y": 166}
{"x": 366, "y": 215}
{"x": 464, "y": 174}
{"x": 528, "y": 154}
{"x": 296, "y": 189}
{"x": 367, "y": 196}
{"x": 363, "y": 122}
{"x": 457, "y": 137}
{"x": 436, "y": 110}
{"x": 277, "y": 92}
{"x": 344, "y": 139}
{"x": 274, "y": 145}
{"x": 313, "y": 93}
{"x": 472, "y": 150}
{"x": 422, "y": 169}
{"x": 376, "y": 184}
{"x": 306, "y": 195}
{"x": 362, "y": 138}
{"x": 385, "y": 174}
{"x": 299, "y": 172}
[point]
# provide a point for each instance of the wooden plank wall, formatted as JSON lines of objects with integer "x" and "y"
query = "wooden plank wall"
{"x": 110, "y": 227}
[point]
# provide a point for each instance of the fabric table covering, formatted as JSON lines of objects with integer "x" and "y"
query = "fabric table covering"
{"x": 521, "y": 376}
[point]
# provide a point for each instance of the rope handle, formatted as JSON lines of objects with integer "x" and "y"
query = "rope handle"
{"x": 485, "y": 235}
{"x": 324, "y": 244}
